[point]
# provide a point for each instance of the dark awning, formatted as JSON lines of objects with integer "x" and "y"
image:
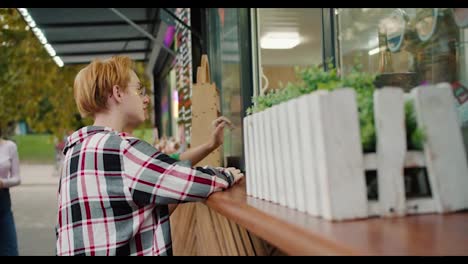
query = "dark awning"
{"x": 78, "y": 35}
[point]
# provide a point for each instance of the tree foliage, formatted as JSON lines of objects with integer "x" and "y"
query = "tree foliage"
{"x": 32, "y": 87}
{"x": 315, "y": 78}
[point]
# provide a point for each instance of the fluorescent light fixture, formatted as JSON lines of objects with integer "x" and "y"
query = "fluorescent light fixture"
{"x": 280, "y": 40}
{"x": 28, "y": 18}
{"x": 32, "y": 23}
{"x": 49, "y": 49}
{"x": 58, "y": 61}
{"x": 374, "y": 51}
{"x": 40, "y": 36}
{"x": 23, "y": 11}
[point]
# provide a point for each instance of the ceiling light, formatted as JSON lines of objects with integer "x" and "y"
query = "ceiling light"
{"x": 374, "y": 51}
{"x": 280, "y": 40}
{"x": 58, "y": 61}
{"x": 49, "y": 49}
{"x": 23, "y": 11}
{"x": 40, "y": 36}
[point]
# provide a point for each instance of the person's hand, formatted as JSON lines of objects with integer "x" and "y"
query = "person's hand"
{"x": 161, "y": 145}
{"x": 217, "y": 137}
{"x": 220, "y": 120}
{"x": 236, "y": 173}
{"x": 171, "y": 147}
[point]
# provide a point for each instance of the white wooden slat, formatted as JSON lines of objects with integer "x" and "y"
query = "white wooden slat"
{"x": 389, "y": 116}
{"x": 270, "y": 163}
{"x": 420, "y": 206}
{"x": 295, "y": 149}
{"x": 341, "y": 165}
{"x": 286, "y": 155}
{"x": 444, "y": 149}
{"x": 253, "y": 170}
{"x": 370, "y": 161}
{"x": 256, "y": 150}
{"x": 263, "y": 156}
{"x": 322, "y": 163}
{"x": 373, "y": 208}
{"x": 415, "y": 159}
{"x": 247, "y": 150}
{"x": 280, "y": 170}
{"x": 308, "y": 117}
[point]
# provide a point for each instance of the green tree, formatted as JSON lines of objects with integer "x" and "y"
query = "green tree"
{"x": 32, "y": 87}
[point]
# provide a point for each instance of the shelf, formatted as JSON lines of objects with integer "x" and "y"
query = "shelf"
{"x": 297, "y": 233}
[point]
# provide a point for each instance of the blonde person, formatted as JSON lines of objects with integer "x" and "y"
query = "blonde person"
{"x": 115, "y": 189}
{"x": 9, "y": 177}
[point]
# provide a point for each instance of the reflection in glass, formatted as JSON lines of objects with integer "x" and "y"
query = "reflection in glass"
{"x": 426, "y": 22}
{"x": 407, "y": 47}
{"x": 225, "y": 58}
{"x": 289, "y": 37}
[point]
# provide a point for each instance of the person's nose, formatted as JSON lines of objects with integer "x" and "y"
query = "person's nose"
{"x": 146, "y": 99}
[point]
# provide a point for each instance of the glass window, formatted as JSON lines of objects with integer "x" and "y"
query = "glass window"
{"x": 169, "y": 107}
{"x": 224, "y": 58}
{"x": 174, "y": 104}
{"x": 407, "y": 47}
{"x": 288, "y": 37}
{"x": 165, "y": 108}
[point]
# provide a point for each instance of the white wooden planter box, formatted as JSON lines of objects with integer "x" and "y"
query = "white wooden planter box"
{"x": 306, "y": 154}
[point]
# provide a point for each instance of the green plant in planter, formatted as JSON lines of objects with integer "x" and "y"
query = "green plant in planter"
{"x": 363, "y": 84}
{"x": 311, "y": 79}
{"x": 415, "y": 135}
{"x": 315, "y": 78}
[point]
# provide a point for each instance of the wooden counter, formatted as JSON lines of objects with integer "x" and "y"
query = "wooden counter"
{"x": 297, "y": 233}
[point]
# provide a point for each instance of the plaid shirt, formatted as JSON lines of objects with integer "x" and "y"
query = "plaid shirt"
{"x": 114, "y": 193}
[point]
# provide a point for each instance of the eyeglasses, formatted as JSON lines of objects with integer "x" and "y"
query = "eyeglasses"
{"x": 141, "y": 90}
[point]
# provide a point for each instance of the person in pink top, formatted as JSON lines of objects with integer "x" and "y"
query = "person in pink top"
{"x": 9, "y": 177}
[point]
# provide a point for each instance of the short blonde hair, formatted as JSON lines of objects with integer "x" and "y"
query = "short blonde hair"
{"x": 94, "y": 83}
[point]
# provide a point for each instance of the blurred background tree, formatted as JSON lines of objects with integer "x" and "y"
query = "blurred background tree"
{"x": 32, "y": 87}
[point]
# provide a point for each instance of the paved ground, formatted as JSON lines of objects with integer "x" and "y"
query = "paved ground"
{"x": 34, "y": 209}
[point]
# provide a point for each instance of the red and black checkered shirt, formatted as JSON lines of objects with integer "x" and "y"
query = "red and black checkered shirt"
{"x": 114, "y": 193}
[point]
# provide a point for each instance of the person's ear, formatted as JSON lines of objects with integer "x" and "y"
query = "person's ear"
{"x": 116, "y": 93}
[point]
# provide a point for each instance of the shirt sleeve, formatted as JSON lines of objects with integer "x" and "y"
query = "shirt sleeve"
{"x": 175, "y": 156}
{"x": 156, "y": 178}
{"x": 14, "y": 178}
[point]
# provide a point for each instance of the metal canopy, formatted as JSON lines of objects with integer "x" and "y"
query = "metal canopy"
{"x": 79, "y": 35}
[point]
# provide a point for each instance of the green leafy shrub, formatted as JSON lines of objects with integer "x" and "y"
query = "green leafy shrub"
{"x": 415, "y": 135}
{"x": 315, "y": 78}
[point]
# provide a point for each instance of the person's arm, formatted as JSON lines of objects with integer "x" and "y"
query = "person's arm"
{"x": 172, "y": 208}
{"x": 196, "y": 154}
{"x": 156, "y": 178}
{"x": 14, "y": 178}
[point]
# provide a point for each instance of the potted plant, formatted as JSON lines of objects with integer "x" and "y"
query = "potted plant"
{"x": 309, "y": 145}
